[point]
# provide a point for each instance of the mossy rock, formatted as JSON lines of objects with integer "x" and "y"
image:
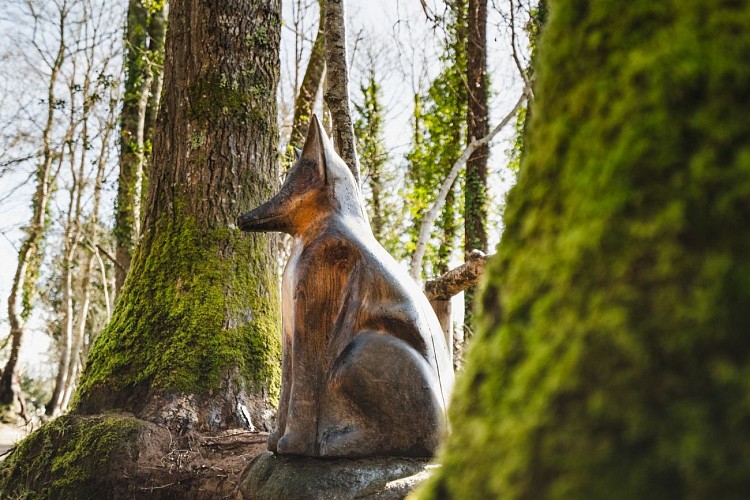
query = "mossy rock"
{"x": 75, "y": 457}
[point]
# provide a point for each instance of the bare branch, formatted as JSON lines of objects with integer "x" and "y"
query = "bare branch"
{"x": 459, "y": 279}
{"x": 514, "y": 51}
{"x": 109, "y": 256}
{"x": 431, "y": 216}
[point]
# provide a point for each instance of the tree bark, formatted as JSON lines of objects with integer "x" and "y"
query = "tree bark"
{"x": 144, "y": 45}
{"x": 193, "y": 341}
{"x": 457, "y": 280}
{"x": 310, "y": 84}
{"x": 475, "y": 190}
{"x": 613, "y": 350}
{"x": 337, "y": 79}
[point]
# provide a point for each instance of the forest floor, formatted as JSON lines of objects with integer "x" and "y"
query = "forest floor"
{"x": 204, "y": 466}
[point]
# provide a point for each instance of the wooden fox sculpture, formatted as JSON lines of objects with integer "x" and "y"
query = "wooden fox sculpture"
{"x": 365, "y": 367}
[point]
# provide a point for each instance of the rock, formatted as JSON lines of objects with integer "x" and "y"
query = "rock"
{"x": 274, "y": 477}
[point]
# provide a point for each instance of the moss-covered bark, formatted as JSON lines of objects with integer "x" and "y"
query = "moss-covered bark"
{"x": 613, "y": 358}
{"x": 195, "y": 332}
{"x": 71, "y": 457}
{"x": 144, "y": 58}
{"x": 477, "y": 115}
{"x": 194, "y": 340}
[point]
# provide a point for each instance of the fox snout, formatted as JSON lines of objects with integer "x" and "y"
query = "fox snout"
{"x": 244, "y": 222}
{"x": 262, "y": 218}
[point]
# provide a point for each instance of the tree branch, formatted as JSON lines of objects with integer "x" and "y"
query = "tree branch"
{"x": 459, "y": 279}
{"x": 430, "y": 217}
{"x": 310, "y": 84}
{"x": 109, "y": 256}
{"x": 514, "y": 52}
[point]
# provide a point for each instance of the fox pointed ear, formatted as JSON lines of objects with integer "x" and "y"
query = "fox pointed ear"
{"x": 314, "y": 149}
{"x": 297, "y": 153}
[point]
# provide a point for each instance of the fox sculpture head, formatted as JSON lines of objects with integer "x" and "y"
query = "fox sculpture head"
{"x": 319, "y": 186}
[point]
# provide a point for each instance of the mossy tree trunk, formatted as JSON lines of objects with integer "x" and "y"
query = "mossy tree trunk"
{"x": 144, "y": 60}
{"x": 475, "y": 189}
{"x": 613, "y": 354}
{"x": 193, "y": 342}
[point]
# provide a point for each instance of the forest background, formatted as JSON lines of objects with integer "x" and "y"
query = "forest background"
{"x": 401, "y": 56}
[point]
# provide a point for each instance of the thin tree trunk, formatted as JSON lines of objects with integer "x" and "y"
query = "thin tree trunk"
{"x": 23, "y": 286}
{"x": 144, "y": 48}
{"x": 82, "y": 323}
{"x": 75, "y": 325}
{"x": 52, "y": 407}
{"x": 157, "y": 34}
{"x": 93, "y": 238}
{"x": 337, "y": 93}
{"x": 70, "y": 238}
{"x": 311, "y": 81}
{"x": 475, "y": 190}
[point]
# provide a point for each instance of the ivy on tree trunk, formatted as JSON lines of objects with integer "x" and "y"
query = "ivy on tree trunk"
{"x": 475, "y": 187}
{"x": 144, "y": 60}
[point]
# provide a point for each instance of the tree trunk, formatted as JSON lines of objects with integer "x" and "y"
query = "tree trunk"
{"x": 193, "y": 341}
{"x": 144, "y": 45}
{"x": 70, "y": 242}
{"x": 613, "y": 349}
{"x": 475, "y": 190}
{"x": 337, "y": 79}
{"x": 310, "y": 84}
{"x": 155, "y": 70}
{"x": 66, "y": 349}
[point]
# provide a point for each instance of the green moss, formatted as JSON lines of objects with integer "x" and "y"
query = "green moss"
{"x": 241, "y": 98}
{"x": 197, "y": 139}
{"x": 153, "y": 6}
{"x": 260, "y": 38}
{"x": 69, "y": 457}
{"x": 613, "y": 359}
{"x": 198, "y": 303}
